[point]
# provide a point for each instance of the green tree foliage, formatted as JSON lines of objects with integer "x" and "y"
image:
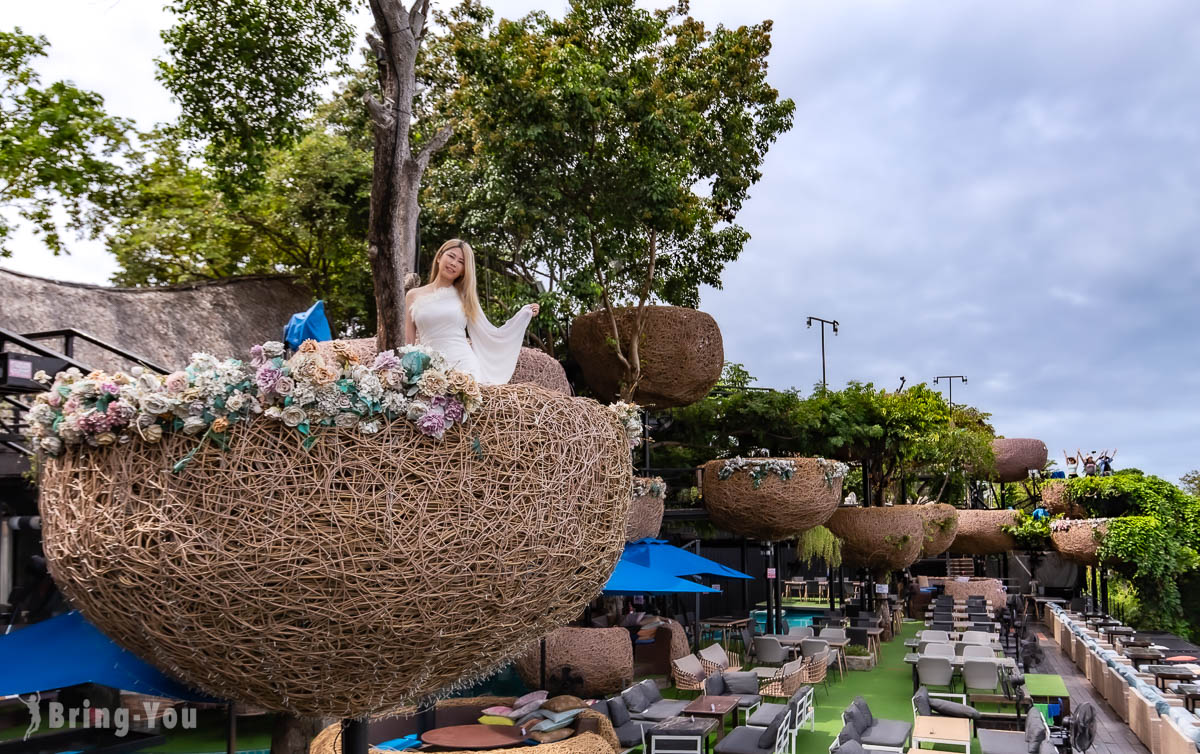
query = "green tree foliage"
{"x": 605, "y": 154}
{"x": 247, "y": 74}
{"x": 1190, "y": 482}
{"x": 307, "y": 217}
{"x": 59, "y": 149}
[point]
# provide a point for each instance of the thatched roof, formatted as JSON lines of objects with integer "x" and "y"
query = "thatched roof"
{"x": 164, "y": 325}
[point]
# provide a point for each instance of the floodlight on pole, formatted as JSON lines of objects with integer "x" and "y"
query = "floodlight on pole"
{"x": 834, "y": 324}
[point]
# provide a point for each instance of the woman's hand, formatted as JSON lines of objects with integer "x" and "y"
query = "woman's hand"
{"x": 534, "y": 308}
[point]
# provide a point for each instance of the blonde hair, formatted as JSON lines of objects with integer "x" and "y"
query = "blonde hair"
{"x": 465, "y": 283}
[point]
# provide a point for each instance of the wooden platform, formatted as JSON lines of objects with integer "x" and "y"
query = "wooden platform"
{"x": 1113, "y": 736}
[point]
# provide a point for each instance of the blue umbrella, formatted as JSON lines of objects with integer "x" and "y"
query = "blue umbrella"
{"x": 631, "y": 578}
{"x": 676, "y": 561}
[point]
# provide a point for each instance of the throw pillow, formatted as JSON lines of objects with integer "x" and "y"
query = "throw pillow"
{"x": 550, "y": 736}
{"x": 866, "y": 711}
{"x": 618, "y": 713}
{"x": 921, "y": 701}
{"x": 849, "y": 733}
{"x": 494, "y": 720}
{"x": 599, "y": 705}
{"x": 1035, "y": 730}
{"x": 532, "y": 696}
{"x": 954, "y": 709}
{"x": 548, "y": 725}
{"x": 568, "y": 715}
{"x": 635, "y": 699}
{"x": 714, "y": 685}
{"x": 855, "y": 719}
{"x": 650, "y": 689}
{"x": 563, "y": 703}
{"x": 530, "y": 718}
{"x": 525, "y": 709}
{"x": 850, "y": 747}
{"x": 500, "y": 710}
{"x": 738, "y": 684}
{"x": 767, "y": 739}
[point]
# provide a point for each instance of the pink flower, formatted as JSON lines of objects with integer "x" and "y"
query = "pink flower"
{"x": 257, "y": 357}
{"x": 454, "y": 410}
{"x": 110, "y": 388}
{"x": 177, "y": 382}
{"x": 433, "y": 423}
{"x": 266, "y": 377}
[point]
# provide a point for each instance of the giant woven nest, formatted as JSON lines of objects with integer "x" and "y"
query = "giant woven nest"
{"x": 681, "y": 354}
{"x": 778, "y": 509}
{"x": 329, "y": 740}
{"x": 645, "y": 517}
{"x": 1079, "y": 541}
{"x": 941, "y": 525}
{"x": 601, "y": 658}
{"x": 369, "y": 570}
{"x": 879, "y": 539}
{"x": 1016, "y": 456}
{"x": 1055, "y": 500}
{"x": 979, "y": 532}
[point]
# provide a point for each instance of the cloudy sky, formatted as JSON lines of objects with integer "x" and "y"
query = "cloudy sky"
{"x": 1009, "y": 191}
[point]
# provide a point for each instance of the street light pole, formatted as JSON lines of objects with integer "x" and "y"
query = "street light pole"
{"x": 823, "y": 322}
{"x": 950, "y": 378}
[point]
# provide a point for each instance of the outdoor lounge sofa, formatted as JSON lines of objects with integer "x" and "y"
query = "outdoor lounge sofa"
{"x": 742, "y": 685}
{"x": 875, "y": 734}
{"x": 630, "y": 733}
{"x": 644, "y": 702}
{"x": 1018, "y": 742}
{"x": 800, "y": 704}
{"x": 776, "y": 738}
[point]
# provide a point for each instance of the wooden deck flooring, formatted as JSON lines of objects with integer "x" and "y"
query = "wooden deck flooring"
{"x": 1113, "y": 736}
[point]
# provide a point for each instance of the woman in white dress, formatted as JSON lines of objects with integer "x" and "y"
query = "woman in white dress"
{"x": 442, "y": 313}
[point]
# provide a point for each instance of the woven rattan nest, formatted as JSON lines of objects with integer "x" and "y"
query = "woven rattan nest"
{"x": 1079, "y": 540}
{"x": 880, "y": 539}
{"x": 536, "y": 367}
{"x": 329, "y": 740}
{"x": 369, "y": 570}
{"x": 1016, "y": 456}
{"x": 645, "y": 517}
{"x": 941, "y": 525}
{"x": 779, "y": 509}
{"x": 600, "y": 658}
{"x": 979, "y": 532}
{"x": 1055, "y": 500}
{"x": 681, "y": 354}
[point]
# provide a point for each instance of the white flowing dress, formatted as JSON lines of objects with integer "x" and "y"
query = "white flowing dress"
{"x": 491, "y": 353}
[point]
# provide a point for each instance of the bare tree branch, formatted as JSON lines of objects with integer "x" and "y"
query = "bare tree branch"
{"x": 437, "y": 142}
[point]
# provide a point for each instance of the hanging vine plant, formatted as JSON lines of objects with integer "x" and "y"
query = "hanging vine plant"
{"x": 819, "y": 544}
{"x": 1030, "y": 532}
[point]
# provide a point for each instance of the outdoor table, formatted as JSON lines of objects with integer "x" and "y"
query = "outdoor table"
{"x": 683, "y": 727}
{"x": 1190, "y": 693}
{"x": 1164, "y": 673}
{"x": 1143, "y": 656}
{"x": 474, "y": 736}
{"x": 955, "y": 731}
{"x": 794, "y": 585}
{"x": 716, "y": 707}
{"x": 995, "y": 646}
{"x": 1047, "y": 688}
{"x": 1118, "y": 630}
{"x": 725, "y": 624}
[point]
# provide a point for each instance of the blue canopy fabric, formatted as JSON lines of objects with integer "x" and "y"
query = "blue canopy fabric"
{"x": 67, "y": 650}
{"x": 676, "y": 561}
{"x": 311, "y": 324}
{"x": 631, "y": 578}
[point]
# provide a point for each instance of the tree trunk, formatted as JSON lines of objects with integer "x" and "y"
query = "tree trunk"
{"x": 397, "y": 171}
{"x": 292, "y": 734}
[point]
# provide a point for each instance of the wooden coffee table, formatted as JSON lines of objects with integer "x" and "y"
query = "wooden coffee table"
{"x": 474, "y": 736}
{"x": 954, "y": 731}
{"x": 713, "y": 706}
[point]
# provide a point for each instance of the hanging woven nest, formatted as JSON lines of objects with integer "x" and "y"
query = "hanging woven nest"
{"x": 536, "y": 367}
{"x": 681, "y": 354}
{"x": 364, "y": 572}
{"x": 1056, "y": 502}
{"x": 646, "y": 511}
{"x": 775, "y": 509}
{"x": 880, "y": 539}
{"x": 979, "y": 532}
{"x": 1016, "y": 456}
{"x": 595, "y": 662}
{"x": 1079, "y": 540}
{"x": 941, "y": 525}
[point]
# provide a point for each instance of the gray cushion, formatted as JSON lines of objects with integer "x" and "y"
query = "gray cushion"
{"x": 856, "y": 719}
{"x": 887, "y": 733}
{"x": 848, "y": 733}
{"x": 850, "y": 747}
{"x": 767, "y": 739}
{"x": 953, "y": 709}
{"x": 630, "y": 734}
{"x": 740, "y": 740}
{"x": 921, "y": 701}
{"x": 714, "y": 685}
{"x": 664, "y": 710}
{"x": 650, "y": 689}
{"x": 1035, "y": 731}
{"x": 737, "y": 684}
{"x": 866, "y": 710}
{"x": 763, "y": 716}
{"x": 635, "y": 698}
{"x": 1001, "y": 742}
{"x": 748, "y": 700}
{"x": 618, "y": 713}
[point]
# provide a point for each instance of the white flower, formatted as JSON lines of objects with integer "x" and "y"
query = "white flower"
{"x": 274, "y": 412}
{"x": 370, "y": 427}
{"x": 51, "y": 445}
{"x": 346, "y": 419}
{"x": 294, "y": 416}
{"x": 155, "y": 403}
{"x": 395, "y": 403}
{"x": 42, "y": 414}
{"x": 194, "y": 425}
{"x": 272, "y": 349}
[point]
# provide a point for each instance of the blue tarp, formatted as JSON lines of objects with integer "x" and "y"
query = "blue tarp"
{"x": 311, "y": 324}
{"x": 631, "y": 578}
{"x": 67, "y": 650}
{"x": 656, "y": 554}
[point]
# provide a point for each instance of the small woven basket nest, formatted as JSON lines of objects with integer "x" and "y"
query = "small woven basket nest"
{"x": 367, "y": 571}
{"x": 979, "y": 532}
{"x": 941, "y": 525}
{"x": 1079, "y": 540}
{"x": 600, "y": 659}
{"x": 329, "y": 740}
{"x": 536, "y": 367}
{"x": 779, "y": 509}
{"x": 879, "y": 539}
{"x": 645, "y": 516}
{"x": 1016, "y": 456}
{"x": 681, "y": 354}
{"x": 1055, "y": 501}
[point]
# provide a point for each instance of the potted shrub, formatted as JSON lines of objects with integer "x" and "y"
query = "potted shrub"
{"x": 772, "y": 499}
{"x": 858, "y": 658}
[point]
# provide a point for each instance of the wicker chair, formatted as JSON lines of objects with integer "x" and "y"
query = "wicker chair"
{"x": 688, "y": 673}
{"x": 785, "y": 681}
{"x": 716, "y": 659}
{"x": 814, "y": 669}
